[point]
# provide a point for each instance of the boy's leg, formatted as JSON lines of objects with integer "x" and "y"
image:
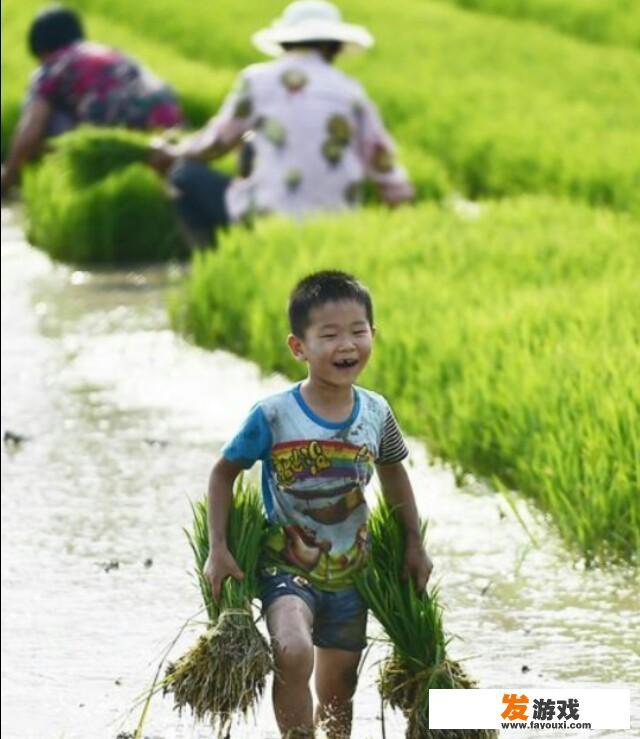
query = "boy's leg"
{"x": 340, "y": 631}
{"x": 336, "y": 679}
{"x": 290, "y": 623}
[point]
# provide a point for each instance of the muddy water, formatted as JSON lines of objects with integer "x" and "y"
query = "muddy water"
{"x": 121, "y": 421}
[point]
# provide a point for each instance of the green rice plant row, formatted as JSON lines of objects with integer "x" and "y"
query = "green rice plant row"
{"x": 615, "y": 22}
{"x": 509, "y": 342}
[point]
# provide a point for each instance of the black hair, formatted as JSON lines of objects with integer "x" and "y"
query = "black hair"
{"x": 54, "y": 28}
{"x": 328, "y": 48}
{"x": 320, "y": 288}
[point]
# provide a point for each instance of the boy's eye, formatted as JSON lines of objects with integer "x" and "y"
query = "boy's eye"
{"x": 360, "y": 332}
{"x": 328, "y": 336}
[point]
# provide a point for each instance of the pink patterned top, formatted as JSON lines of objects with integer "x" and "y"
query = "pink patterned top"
{"x": 94, "y": 84}
{"x": 316, "y": 137}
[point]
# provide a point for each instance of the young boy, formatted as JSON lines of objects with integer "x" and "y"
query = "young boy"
{"x": 318, "y": 443}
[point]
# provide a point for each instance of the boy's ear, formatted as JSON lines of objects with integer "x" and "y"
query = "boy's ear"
{"x": 296, "y": 347}
{"x": 373, "y": 330}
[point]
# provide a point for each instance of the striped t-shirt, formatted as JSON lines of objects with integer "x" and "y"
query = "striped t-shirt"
{"x": 314, "y": 473}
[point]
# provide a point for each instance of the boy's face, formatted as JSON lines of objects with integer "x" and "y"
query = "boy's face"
{"x": 337, "y": 343}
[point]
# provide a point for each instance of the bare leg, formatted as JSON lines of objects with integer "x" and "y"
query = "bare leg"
{"x": 336, "y": 679}
{"x": 290, "y": 622}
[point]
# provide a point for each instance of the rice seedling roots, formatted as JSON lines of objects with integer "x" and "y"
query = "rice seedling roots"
{"x": 402, "y": 687}
{"x": 225, "y": 672}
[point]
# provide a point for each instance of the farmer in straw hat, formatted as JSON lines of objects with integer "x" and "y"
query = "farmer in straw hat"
{"x": 309, "y": 135}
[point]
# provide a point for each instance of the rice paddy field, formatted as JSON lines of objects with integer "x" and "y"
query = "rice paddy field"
{"x": 114, "y": 423}
{"x": 508, "y": 340}
{"x": 614, "y": 22}
{"x": 517, "y": 318}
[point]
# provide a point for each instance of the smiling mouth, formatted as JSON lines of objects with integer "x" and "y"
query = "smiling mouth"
{"x": 346, "y": 363}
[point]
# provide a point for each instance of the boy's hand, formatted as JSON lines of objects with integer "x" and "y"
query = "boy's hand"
{"x": 220, "y": 564}
{"x": 417, "y": 565}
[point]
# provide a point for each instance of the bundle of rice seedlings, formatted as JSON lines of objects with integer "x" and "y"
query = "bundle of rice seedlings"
{"x": 413, "y": 624}
{"x": 225, "y": 672}
{"x": 91, "y": 154}
{"x": 94, "y": 200}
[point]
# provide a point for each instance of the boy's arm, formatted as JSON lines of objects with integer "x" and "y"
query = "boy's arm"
{"x": 220, "y": 562}
{"x": 397, "y": 489}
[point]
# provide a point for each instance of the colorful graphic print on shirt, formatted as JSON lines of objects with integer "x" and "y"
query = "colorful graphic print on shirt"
{"x": 320, "y": 485}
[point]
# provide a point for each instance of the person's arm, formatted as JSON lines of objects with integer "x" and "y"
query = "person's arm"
{"x": 220, "y": 562}
{"x": 28, "y": 139}
{"x": 378, "y": 154}
{"x": 396, "y": 488}
{"x": 251, "y": 443}
{"x": 217, "y": 137}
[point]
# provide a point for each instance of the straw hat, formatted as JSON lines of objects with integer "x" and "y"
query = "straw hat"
{"x": 311, "y": 20}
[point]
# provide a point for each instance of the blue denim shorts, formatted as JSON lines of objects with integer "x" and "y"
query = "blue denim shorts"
{"x": 339, "y": 617}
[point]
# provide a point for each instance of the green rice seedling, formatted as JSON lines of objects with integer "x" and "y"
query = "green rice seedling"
{"x": 245, "y": 532}
{"x": 90, "y": 154}
{"x": 412, "y": 622}
{"x": 225, "y": 672}
{"x": 507, "y": 339}
{"x": 93, "y": 200}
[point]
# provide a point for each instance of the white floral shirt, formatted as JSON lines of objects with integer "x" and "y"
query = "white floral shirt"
{"x": 315, "y": 134}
